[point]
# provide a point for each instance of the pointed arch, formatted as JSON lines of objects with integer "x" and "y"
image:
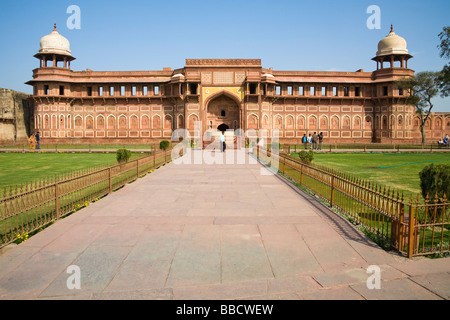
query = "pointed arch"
{"x": 156, "y": 122}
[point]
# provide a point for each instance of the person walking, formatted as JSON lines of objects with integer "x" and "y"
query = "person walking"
{"x": 314, "y": 141}
{"x": 320, "y": 140}
{"x": 309, "y": 140}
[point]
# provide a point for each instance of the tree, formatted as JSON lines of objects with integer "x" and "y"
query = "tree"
{"x": 444, "y": 75}
{"x": 163, "y": 145}
{"x": 421, "y": 89}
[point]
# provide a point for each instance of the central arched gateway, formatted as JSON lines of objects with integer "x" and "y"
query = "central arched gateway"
{"x": 222, "y": 111}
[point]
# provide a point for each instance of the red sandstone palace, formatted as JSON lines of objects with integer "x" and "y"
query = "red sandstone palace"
{"x": 146, "y": 106}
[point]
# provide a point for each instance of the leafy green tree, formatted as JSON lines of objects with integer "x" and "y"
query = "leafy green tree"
{"x": 421, "y": 89}
{"x": 444, "y": 76}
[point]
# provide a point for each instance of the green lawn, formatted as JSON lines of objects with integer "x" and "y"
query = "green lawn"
{"x": 21, "y": 168}
{"x": 395, "y": 170}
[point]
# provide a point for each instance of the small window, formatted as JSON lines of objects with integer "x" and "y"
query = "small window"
{"x": 111, "y": 91}
{"x": 122, "y": 90}
{"x": 289, "y": 90}
{"x": 193, "y": 88}
{"x": 400, "y": 91}
{"x": 61, "y": 90}
{"x": 252, "y": 88}
{"x": 133, "y": 90}
{"x": 100, "y": 91}
{"x": 346, "y": 91}
{"x": 324, "y": 91}
{"x": 277, "y": 90}
{"x": 335, "y": 91}
{"x": 46, "y": 90}
{"x": 357, "y": 91}
{"x": 144, "y": 90}
{"x": 223, "y": 113}
{"x": 156, "y": 90}
{"x": 301, "y": 91}
{"x": 312, "y": 91}
{"x": 385, "y": 91}
{"x": 89, "y": 91}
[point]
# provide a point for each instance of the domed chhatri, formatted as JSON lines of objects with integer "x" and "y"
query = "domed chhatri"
{"x": 392, "y": 49}
{"x": 392, "y": 44}
{"x": 54, "y": 48}
{"x": 55, "y": 43}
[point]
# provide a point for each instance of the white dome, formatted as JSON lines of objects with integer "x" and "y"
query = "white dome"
{"x": 55, "y": 43}
{"x": 392, "y": 44}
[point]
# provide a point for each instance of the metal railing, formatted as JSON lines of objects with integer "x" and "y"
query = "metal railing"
{"x": 409, "y": 226}
{"x": 26, "y": 209}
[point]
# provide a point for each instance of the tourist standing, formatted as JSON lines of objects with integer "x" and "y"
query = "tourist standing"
{"x": 314, "y": 141}
{"x": 309, "y": 140}
{"x": 32, "y": 141}
{"x": 222, "y": 142}
{"x": 320, "y": 140}
{"x": 38, "y": 144}
{"x": 305, "y": 141}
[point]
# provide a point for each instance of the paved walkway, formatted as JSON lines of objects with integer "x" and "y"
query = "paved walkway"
{"x": 211, "y": 232}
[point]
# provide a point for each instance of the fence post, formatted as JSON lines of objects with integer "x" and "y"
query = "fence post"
{"x": 301, "y": 174}
{"x": 110, "y": 179}
{"x": 400, "y": 229}
{"x": 411, "y": 231}
{"x": 137, "y": 169}
{"x": 332, "y": 192}
{"x": 57, "y": 200}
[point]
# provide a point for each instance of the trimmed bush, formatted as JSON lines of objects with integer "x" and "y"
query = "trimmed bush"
{"x": 435, "y": 179}
{"x": 123, "y": 155}
{"x": 163, "y": 145}
{"x": 306, "y": 156}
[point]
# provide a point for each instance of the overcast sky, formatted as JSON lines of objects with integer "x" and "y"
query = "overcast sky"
{"x": 323, "y": 35}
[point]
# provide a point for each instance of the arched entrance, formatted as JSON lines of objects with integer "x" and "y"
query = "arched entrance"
{"x": 222, "y": 115}
{"x": 222, "y": 111}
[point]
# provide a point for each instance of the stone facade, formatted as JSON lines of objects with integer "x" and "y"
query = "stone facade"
{"x": 16, "y": 116}
{"x": 146, "y": 106}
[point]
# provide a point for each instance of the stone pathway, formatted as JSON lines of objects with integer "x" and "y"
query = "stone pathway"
{"x": 211, "y": 231}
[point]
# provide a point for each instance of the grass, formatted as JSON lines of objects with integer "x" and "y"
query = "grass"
{"x": 21, "y": 168}
{"x": 395, "y": 170}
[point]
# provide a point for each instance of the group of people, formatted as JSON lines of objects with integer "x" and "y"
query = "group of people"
{"x": 444, "y": 142}
{"x": 34, "y": 141}
{"x": 313, "y": 142}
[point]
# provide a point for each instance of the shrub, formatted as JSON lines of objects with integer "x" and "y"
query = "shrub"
{"x": 123, "y": 155}
{"x": 435, "y": 179}
{"x": 306, "y": 156}
{"x": 163, "y": 145}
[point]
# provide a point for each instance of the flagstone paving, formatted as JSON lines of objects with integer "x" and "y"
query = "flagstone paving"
{"x": 212, "y": 231}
